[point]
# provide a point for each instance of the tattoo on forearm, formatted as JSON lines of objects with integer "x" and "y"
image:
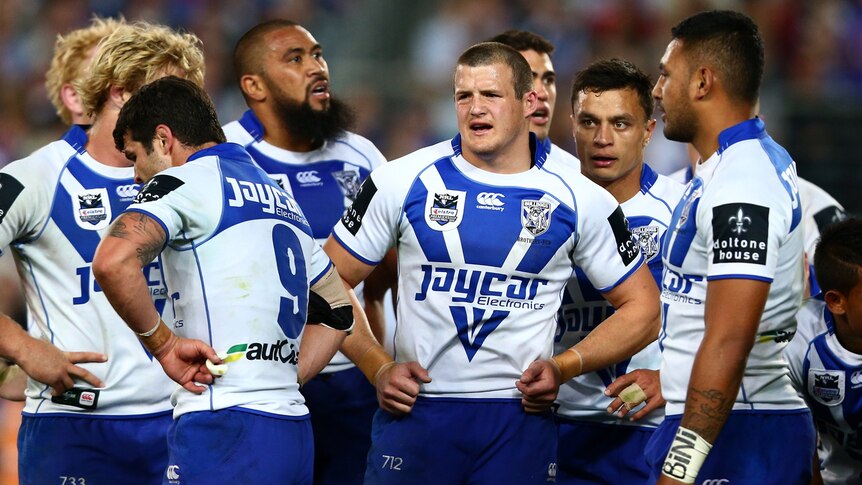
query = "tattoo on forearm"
{"x": 707, "y": 411}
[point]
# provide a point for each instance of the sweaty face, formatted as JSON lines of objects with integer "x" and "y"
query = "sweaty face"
{"x": 490, "y": 116}
{"x": 294, "y": 69}
{"x": 611, "y": 132}
{"x": 147, "y": 165}
{"x": 544, "y": 83}
{"x": 671, "y": 95}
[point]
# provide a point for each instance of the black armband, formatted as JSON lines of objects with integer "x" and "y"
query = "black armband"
{"x": 319, "y": 312}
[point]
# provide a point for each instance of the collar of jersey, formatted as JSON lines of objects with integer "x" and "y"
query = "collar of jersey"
{"x": 747, "y": 130}
{"x": 539, "y": 148}
{"x": 76, "y": 137}
{"x": 229, "y": 150}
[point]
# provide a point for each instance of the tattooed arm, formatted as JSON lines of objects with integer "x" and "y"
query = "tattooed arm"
{"x": 733, "y": 311}
{"x": 133, "y": 241}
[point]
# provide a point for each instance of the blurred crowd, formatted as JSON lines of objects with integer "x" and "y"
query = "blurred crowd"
{"x": 393, "y": 60}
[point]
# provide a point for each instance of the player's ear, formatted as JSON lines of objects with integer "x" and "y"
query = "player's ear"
{"x": 163, "y": 139}
{"x": 71, "y": 100}
{"x": 702, "y": 81}
{"x": 836, "y": 302}
{"x": 531, "y": 102}
{"x": 253, "y": 87}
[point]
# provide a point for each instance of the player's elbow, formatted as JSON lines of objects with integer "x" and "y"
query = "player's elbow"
{"x": 107, "y": 265}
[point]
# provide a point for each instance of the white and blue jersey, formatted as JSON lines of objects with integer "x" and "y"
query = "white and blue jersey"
{"x": 238, "y": 264}
{"x": 558, "y": 155}
{"x": 583, "y": 307}
{"x": 739, "y": 218}
{"x": 830, "y": 379}
{"x": 324, "y": 181}
{"x": 55, "y": 206}
{"x": 483, "y": 259}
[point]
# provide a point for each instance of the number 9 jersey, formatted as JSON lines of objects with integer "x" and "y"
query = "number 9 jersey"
{"x": 238, "y": 264}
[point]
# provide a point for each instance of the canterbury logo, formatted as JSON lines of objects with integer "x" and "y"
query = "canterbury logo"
{"x": 716, "y": 481}
{"x": 309, "y": 177}
{"x": 172, "y": 472}
{"x": 127, "y": 191}
{"x": 490, "y": 198}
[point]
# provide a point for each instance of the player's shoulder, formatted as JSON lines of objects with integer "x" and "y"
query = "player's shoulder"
{"x": 362, "y": 146}
{"x": 814, "y": 197}
{"x": 661, "y": 186}
{"x": 558, "y": 155}
{"x": 810, "y": 320}
{"x": 413, "y": 164}
{"x": 236, "y": 133}
{"x": 42, "y": 166}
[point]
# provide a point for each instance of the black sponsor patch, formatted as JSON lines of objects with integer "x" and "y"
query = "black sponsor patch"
{"x": 86, "y": 399}
{"x": 158, "y": 187}
{"x": 740, "y": 233}
{"x": 627, "y": 246}
{"x": 352, "y": 218}
{"x": 10, "y": 189}
{"x": 828, "y": 216}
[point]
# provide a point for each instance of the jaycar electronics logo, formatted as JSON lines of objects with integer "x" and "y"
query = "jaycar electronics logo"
{"x": 740, "y": 233}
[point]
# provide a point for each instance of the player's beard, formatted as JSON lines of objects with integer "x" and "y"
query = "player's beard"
{"x": 324, "y": 125}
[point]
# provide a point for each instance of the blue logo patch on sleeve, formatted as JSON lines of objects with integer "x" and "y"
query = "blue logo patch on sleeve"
{"x": 740, "y": 233}
{"x": 10, "y": 189}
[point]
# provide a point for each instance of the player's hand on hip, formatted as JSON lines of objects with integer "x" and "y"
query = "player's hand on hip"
{"x": 628, "y": 397}
{"x": 398, "y": 386}
{"x": 184, "y": 361}
{"x": 539, "y": 384}
{"x": 50, "y": 365}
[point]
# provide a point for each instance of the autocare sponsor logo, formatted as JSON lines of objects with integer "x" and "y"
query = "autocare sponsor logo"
{"x": 492, "y": 201}
{"x": 485, "y": 288}
{"x": 308, "y": 178}
{"x": 740, "y": 233}
{"x": 283, "y": 351}
{"x": 127, "y": 192}
{"x": 270, "y": 198}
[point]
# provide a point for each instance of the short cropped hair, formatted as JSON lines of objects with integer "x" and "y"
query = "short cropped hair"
{"x": 730, "y": 43}
{"x": 488, "y": 53}
{"x": 612, "y": 74}
{"x": 248, "y": 53}
{"x": 522, "y": 40}
{"x": 178, "y": 103}
{"x": 838, "y": 257}
{"x": 70, "y": 55}
{"x": 134, "y": 56}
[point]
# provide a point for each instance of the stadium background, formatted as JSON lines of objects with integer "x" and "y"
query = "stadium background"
{"x": 393, "y": 60}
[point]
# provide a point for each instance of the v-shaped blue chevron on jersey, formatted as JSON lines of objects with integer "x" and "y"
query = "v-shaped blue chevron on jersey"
{"x": 473, "y": 335}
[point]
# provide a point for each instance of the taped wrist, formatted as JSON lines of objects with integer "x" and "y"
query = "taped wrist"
{"x": 373, "y": 361}
{"x": 329, "y": 303}
{"x": 687, "y": 454}
{"x": 570, "y": 362}
{"x": 155, "y": 339}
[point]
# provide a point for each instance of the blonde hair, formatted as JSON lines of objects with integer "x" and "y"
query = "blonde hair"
{"x": 70, "y": 59}
{"x": 138, "y": 54}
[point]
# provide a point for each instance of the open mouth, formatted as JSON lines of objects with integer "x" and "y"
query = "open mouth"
{"x": 540, "y": 116}
{"x": 480, "y": 128}
{"x": 320, "y": 89}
